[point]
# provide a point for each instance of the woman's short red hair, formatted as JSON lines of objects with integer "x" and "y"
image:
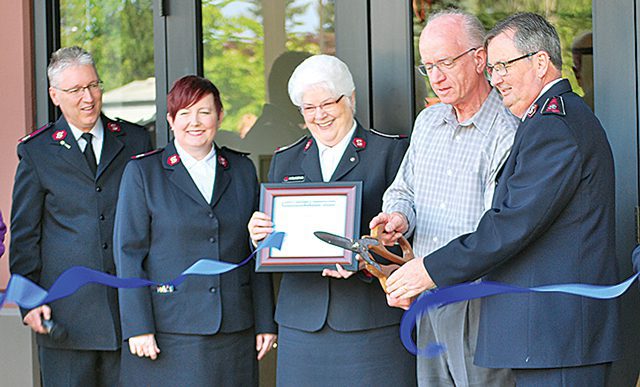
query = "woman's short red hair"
{"x": 188, "y": 90}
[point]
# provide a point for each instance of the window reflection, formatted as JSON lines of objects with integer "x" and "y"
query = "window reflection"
{"x": 250, "y": 49}
{"x": 119, "y": 35}
{"x": 572, "y": 19}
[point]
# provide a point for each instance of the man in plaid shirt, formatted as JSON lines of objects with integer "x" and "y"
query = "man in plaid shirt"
{"x": 446, "y": 182}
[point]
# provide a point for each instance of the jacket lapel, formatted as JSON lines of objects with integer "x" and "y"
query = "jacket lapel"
{"x": 311, "y": 162}
{"x": 223, "y": 177}
{"x": 350, "y": 156}
{"x": 179, "y": 176}
{"x": 111, "y": 146}
{"x": 70, "y": 155}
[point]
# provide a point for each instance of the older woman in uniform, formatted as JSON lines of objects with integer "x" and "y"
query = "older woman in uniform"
{"x": 190, "y": 200}
{"x": 336, "y": 329}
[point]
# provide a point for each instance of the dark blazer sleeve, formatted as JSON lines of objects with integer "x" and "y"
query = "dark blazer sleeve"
{"x": 131, "y": 241}
{"x": 546, "y": 176}
{"x": 26, "y": 217}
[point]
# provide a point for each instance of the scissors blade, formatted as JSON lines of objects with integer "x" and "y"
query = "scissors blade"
{"x": 337, "y": 240}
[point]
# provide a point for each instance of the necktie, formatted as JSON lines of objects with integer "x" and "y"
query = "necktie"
{"x": 88, "y": 152}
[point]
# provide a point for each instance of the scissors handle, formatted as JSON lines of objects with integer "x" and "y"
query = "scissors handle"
{"x": 407, "y": 251}
{"x": 382, "y": 278}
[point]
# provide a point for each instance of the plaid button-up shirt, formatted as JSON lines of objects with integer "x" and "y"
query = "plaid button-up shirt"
{"x": 447, "y": 178}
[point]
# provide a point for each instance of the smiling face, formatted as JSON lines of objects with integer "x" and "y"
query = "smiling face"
{"x": 195, "y": 126}
{"x": 331, "y": 122}
{"x": 524, "y": 79}
{"x": 445, "y": 38}
{"x": 82, "y": 110}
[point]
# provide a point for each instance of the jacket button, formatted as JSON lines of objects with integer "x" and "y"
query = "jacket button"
{"x": 98, "y": 189}
{"x": 212, "y": 239}
{"x": 213, "y": 290}
{"x": 211, "y": 214}
{"x": 101, "y": 217}
{"x": 104, "y": 246}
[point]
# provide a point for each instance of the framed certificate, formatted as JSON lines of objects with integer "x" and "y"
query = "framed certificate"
{"x": 299, "y": 210}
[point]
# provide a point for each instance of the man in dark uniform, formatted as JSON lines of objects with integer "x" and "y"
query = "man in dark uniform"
{"x": 64, "y": 201}
{"x": 552, "y": 221}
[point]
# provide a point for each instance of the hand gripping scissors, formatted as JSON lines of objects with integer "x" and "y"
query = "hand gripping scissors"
{"x": 367, "y": 244}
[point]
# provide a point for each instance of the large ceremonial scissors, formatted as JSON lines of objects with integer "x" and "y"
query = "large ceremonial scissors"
{"x": 367, "y": 244}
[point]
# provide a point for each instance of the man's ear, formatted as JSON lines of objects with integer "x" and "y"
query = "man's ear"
{"x": 542, "y": 62}
{"x": 53, "y": 94}
{"x": 480, "y": 58}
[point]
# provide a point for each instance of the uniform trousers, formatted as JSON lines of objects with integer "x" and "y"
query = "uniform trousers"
{"x": 75, "y": 368}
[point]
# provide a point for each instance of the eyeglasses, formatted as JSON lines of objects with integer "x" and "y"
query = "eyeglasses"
{"x": 501, "y": 67}
{"x": 444, "y": 64}
{"x": 78, "y": 91}
{"x": 329, "y": 107}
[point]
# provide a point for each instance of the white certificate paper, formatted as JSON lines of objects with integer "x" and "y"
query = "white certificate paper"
{"x": 300, "y": 216}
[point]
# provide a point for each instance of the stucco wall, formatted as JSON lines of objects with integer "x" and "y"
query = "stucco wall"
{"x": 17, "y": 354}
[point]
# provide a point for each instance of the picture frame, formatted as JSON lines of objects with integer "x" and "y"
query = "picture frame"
{"x": 299, "y": 209}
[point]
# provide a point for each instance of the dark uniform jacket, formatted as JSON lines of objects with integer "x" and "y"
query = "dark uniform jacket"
{"x": 62, "y": 216}
{"x": 307, "y": 300}
{"x": 552, "y": 222}
{"x": 164, "y": 225}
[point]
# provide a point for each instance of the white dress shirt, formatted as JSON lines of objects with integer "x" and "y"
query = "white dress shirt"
{"x": 96, "y": 142}
{"x": 330, "y": 156}
{"x": 202, "y": 172}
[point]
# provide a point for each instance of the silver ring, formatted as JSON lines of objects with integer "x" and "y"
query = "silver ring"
{"x": 274, "y": 346}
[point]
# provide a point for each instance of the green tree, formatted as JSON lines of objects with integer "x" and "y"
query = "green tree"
{"x": 118, "y": 33}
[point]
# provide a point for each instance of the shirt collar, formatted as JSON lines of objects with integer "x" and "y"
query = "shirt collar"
{"x": 544, "y": 90}
{"x": 342, "y": 145}
{"x": 482, "y": 119}
{"x": 189, "y": 161}
{"x": 97, "y": 131}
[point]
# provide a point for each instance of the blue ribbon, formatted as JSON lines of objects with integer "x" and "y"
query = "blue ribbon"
{"x": 28, "y": 295}
{"x": 471, "y": 291}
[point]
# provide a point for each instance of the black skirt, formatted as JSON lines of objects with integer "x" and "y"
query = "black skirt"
{"x": 373, "y": 357}
{"x": 195, "y": 360}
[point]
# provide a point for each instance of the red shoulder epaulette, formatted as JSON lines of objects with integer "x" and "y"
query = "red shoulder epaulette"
{"x": 387, "y": 135}
{"x": 284, "y": 148}
{"x": 141, "y": 155}
{"x": 35, "y": 133}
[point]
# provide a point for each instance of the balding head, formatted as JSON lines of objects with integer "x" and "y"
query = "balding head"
{"x": 451, "y": 50}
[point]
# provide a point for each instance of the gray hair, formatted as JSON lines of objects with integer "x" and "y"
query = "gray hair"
{"x": 324, "y": 71}
{"x": 67, "y": 57}
{"x": 473, "y": 28}
{"x": 532, "y": 33}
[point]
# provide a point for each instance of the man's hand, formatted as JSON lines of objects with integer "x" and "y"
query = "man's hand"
{"x": 144, "y": 346}
{"x": 395, "y": 224}
{"x": 400, "y": 303}
{"x": 265, "y": 342}
{"x": 35, "y": 316}
{"x": 259, "y": 226}
{"x": 409, "y": 280}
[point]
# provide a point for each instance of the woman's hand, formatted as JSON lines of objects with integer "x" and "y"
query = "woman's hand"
{"x": 259, "y": 226}
{"x": 144, "y": 346}
{"x": 340, "y": 272}
{"x": 264, "y": 343}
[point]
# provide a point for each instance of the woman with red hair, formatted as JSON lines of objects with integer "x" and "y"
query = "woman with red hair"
{"x": 188, "y": 201}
